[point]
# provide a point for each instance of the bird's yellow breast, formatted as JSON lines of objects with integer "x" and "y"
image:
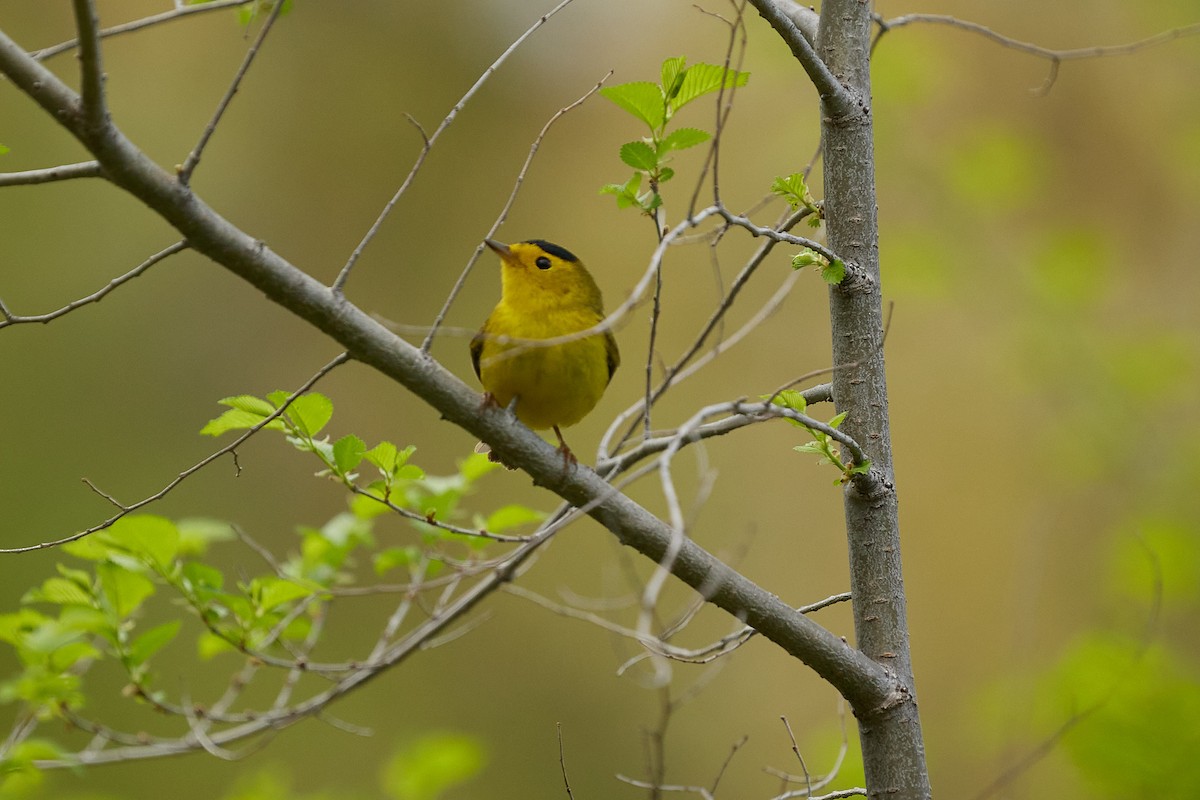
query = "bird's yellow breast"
{"x": 555, "y": 385}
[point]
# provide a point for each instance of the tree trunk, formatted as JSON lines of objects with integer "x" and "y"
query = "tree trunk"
{"x": 893, "y": 750}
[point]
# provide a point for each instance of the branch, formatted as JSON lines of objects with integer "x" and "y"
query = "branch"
{"x": 185, "y": 172}
{"x": 1055, "y": 57}
{"x": 128, "y": 27}
{"x": 836, "y": 97}
{"x": 867, "y": 685}
{"x": 339, "y": 283}
{"x": 95, "y": 111}
{"x": 181, "y": 477}
{"x": 63, "y": 172}
{"x": 8, "y": 318}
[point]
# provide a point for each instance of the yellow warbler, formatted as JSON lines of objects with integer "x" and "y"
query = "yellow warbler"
{"x": 545, "y": 293}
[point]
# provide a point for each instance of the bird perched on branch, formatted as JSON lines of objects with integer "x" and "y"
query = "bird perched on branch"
{"x": 545, "y": 293}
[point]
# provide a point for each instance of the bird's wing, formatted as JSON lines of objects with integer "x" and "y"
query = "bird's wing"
{"x": 614, "y": 355}
{"x": 477, "y": 349}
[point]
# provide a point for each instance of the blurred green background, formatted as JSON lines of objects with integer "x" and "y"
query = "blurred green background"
{"x": 1040, "y": 252}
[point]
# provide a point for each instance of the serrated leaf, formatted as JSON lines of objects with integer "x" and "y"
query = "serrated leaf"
{"x": 701, "y": 79}
{"x": 834, "y": 272}
{"x": 151, "y": 642}
{"x": 672, "y": 74}
{"x": 791, "y": 398}
{"x": 642, "y": 99}
{"x": 639, "y": 155}
{"x": 792, "y": 189}
{"x": 311, "y": 412}
{"x": 60, "y": 591}
{"x": 682, "y": 139}
{"x": 235, "y": 419}
{"x": 249, "y": 403}
{"x": 815, "y": 448}
{"x": 665, "y": 174}
{"x": 348, "y": 453}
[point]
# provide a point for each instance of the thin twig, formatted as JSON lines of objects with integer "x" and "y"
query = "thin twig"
{"x": 189, "y": 165}
{"x": 1055, "y": 57}
{"x": 187, "y": 473}
{"x": 9, "y": 318}
{"x": 339, "y": 283}
{"x": 503, "y": 215}
{"x": 562, "y": 762}
{"x": 139, "y": 24}
{"x": 63, "y": 172}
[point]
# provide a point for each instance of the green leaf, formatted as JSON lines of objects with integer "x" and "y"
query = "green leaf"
{"x": 639, "y": 155}
{"x": 627, "y": 193}
{"x": 672, "y": 75}
{"x": 642, "y": 99}
{"x": 791, "y": 398}
{"x": 834, "y": 272}
{"x": 807, "y": 258}
{"x": 3, "y": 150}
{"x": 432, "y": 765}
{"x": 838, "y": 420}
{"x": 512, "y": 516}
{"x": 475, "y": 466}
{"x": 209, "y": 645}
{"x": 793, "y": 189}
{"x": 348, "y": 453}
{"x": 815, "y": 448}
{"x": 236, "y": 419}
{"x": 311, "y": 412}
{"x": 197, "y": 533}
{"x": 152, "y": 641}
{"x": 250, "y": 404}
{"x": 67, "y": 656}
{"x": 701, "y": 79}
{"x": 682, "y": 139}
{"x": 270, "y": 593}
{"x": 394, "y": 557}
{"x": 388, "y": 459}
{"x": 123, "y": 589}
{"x": 151, "y": 538}
{"x": 60, "y": 591}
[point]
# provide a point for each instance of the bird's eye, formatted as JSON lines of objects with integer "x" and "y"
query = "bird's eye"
{"x": 543, "y": 262}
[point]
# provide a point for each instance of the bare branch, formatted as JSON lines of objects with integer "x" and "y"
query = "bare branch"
{"x": 187, "y": 473}
{"x": 128, "y": 27}
{"x": 14, "y": 319}
{"x": 503, "y": 215}
{"x": 95, "y": 110}
{"x": 339, "y": 283}
{"x": 63, "y": 172}
{"x": 838, "y": 98}
{"x": 189, "y": 165}
{"x": 1055, "y": 57}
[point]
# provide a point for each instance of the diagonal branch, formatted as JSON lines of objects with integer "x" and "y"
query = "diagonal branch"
{"x": 8, "y": 318}
{"x": 836, "y": 97}
{"x": 63, "y": 172}
{"x": 189, "y": 166}
{"x": 1055, "y": 57}
{"x": 870, "y": 687}
{"x": 91, "y": 66}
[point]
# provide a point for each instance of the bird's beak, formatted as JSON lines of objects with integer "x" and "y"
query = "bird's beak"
{"x": 499, "y": 248}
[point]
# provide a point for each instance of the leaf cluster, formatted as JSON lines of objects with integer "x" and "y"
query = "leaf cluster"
{"x": 96, "y": 612}
{"x": 824, "y": 446}
{"x": 654, "y": 104}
